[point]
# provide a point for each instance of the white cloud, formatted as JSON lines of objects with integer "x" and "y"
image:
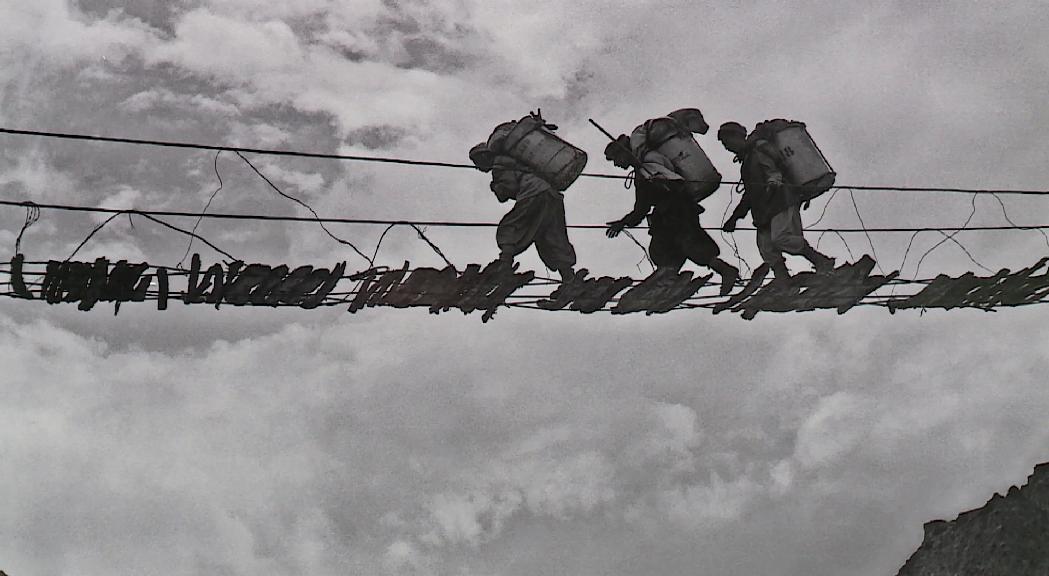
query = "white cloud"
{"x": 269, "y": 64}
{"x": 148, "y": 100}
{"x": 699, "y": 504}
{"x": 121, "y": 199}
{"x": 404, "y": 558}
{"x": 249, "y": 442}
{"x": 833, "y": 429}
{"x": 348, "y": 457}
{"x": 48, "y": 29}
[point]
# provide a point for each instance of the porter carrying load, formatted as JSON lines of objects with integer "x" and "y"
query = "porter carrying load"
{"x": 662, "y": 196}
{"x": 772, "y": 200}
{"x": 531, "y": 167}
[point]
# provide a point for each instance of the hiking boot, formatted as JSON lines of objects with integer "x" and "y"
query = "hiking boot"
{"x": 729, "y": 275}
{"x": 822, "y": 263}
{"x": 779, "y": 269}
{"x": 567, "y": 275}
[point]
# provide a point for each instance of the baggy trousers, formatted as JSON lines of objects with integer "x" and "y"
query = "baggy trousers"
{"x": 783, "y": 234}
{"x": 538, "y": 220}
{"x": 677, "y": 239}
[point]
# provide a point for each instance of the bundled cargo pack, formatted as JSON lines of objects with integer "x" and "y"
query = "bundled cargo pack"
{"x": 804, "y": 164}
{"x": 531, "y": 142}
{"x": 670, "y": 137}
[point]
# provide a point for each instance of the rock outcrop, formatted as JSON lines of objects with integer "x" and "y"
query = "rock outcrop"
{"x": 1008, "y": 536}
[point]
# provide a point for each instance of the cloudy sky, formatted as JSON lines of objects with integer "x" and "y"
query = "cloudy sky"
{"x": 315, "y": 442}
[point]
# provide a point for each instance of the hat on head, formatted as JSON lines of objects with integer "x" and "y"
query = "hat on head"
{"x": 731, "y": 128}
{"x": 482, "y": 157}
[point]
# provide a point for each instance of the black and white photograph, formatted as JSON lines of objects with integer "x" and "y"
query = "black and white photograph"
{"x": 546, "y": 288}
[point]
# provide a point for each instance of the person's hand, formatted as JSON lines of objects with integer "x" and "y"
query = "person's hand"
{"x": 614, "y": 228}
{"x": 729, "y": 226}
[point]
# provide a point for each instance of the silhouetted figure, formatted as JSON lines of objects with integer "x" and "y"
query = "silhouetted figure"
{"x": 773, "y": 204}
{"x": 673, "y": 217}
{"x": 538, "y": 215}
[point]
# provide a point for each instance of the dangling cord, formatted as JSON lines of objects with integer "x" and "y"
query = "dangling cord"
{"x": 642, "y": 247}
{"x": 865, "y": 232}
{"x": 740, "y": 261}
{"x": 204, "y": 211}
{"x": 32, "y": 215}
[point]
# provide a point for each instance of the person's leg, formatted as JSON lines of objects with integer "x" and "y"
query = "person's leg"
{"x": 700, "y": 248}
{"x": 518, "y": 228}
{"x": 664, "y": 252}
{"x": 788, "y": 236}
{"x": 551, "y": 241}
{"x": 786, "y": 233}
{"x": 770, "y": 254}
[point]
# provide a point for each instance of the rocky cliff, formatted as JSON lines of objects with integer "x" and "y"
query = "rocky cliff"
{"x": 1008, "y": 536}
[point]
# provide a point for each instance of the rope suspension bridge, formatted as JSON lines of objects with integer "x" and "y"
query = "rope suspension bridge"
{"x": 487, "y": 288}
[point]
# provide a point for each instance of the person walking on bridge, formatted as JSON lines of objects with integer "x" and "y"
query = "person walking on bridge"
{"x": 773, "y": 204}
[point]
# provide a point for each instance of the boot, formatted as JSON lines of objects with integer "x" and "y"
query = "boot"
{"x": 567, "y": 274}
{"x": 821, "y": 262}
{"x": 729, "y": 274}
{"x": 665, "y": 274}
{"x": 506, "y": 261}
{"x": 780, "y": 269}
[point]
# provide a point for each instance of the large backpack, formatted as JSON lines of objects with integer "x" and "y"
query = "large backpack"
{"x": 670, "y": 138}
{"x": 803, "y": 163}
{"x": 531, "y": 142}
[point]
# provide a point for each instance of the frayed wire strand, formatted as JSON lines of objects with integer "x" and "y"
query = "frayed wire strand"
{"x": 847, "y": 248}
{"x": 433, "y": 246}
{"x": 947, "y": 237}
{"x": 183, "y": 231}
{"x": 643, "y": 250}
{"x": 308, "y": 207}
{"x": 966, "y": 250}
{"x": 1005, "y": 213}
{"x": 378, "y": 244}
{"x": 189, "y": 246}
{"x": 824, "y": 212}
{"x": 730, "y": 239}
{"x": 422, "y": 236}
{"x": 870, "y": 241}
{"x": 92, "y": 233}
{"x": 32, "y": 215}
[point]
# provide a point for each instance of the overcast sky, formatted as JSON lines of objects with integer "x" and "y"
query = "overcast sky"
{"x": 394, "y": 442}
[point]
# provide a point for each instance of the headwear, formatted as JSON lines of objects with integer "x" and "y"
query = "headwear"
{"x": 482, "y": 157}
{"x": 731, "y": 128}
{"x": 621, "y": 145}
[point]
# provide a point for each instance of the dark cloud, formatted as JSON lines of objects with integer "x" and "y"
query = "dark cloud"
{"x": 160, "y": 14}
{"x": 432, "y": 54}
{"x": 376, "y": 137}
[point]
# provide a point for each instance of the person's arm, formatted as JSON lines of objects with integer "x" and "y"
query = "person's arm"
{"x": 767, "y": 162}
{"x": 741, "y": 210}
{"x": 642, "y": 206}
{"x": 505, "y": 183}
